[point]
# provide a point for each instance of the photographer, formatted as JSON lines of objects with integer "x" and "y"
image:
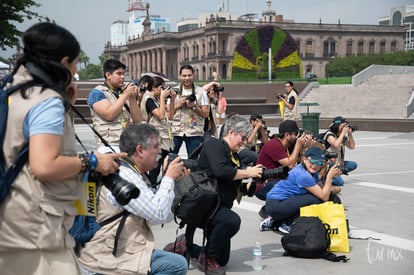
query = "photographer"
{"x": 210, "y": 123}
{"x": 291, "y": 101}
{"x": 39, "y": 209}
{"x": 219, "y": 159}
{"x": 154, "y": 111}
{"x": 339, "y": 136}
{"x": 135, "y": 254}
{"x": 248, "y": 153}
{"x": 187, "y": 114}
{"x": 113, "y": 105}
{"x": 281, "y": 150}
{"x": 301, "y": 188}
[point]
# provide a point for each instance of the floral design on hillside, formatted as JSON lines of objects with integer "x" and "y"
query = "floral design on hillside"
{"x": 251, "y": 55}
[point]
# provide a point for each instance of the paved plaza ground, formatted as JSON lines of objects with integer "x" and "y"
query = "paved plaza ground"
{"x": 378, "y": 196}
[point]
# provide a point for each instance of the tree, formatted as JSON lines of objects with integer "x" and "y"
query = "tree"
{"x": 11, "y": 13}
{"x": 83, "y": 59}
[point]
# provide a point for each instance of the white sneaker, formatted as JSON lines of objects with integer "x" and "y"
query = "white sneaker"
{"x": 284, "y": 228}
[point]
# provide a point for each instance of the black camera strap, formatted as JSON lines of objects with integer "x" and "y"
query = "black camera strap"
{"x": 93, "y": 129}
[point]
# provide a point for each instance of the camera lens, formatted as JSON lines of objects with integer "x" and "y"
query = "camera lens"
{"x": 122, "y": 190}
{"x": 276, "y": 173}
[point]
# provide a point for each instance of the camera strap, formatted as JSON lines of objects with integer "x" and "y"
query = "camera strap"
{"x": 93, "y": 129}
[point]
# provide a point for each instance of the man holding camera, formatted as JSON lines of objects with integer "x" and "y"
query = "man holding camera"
{"x": 113, "y": 106}
{"x": 190, "y": 108}
{"x": 291, "y": 102}
{"x": 337, "y": 138}
{"x": 248, "y": 152}
{"x": 282, "y": 150}
{"x": 135, "y": 253}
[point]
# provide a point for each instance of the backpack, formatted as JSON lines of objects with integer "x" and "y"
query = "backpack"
{"x": 7, "y": 176}
{"x": 309, "y": 238}
{"x": 196, "y": 200}
{"x": 323, "y": 138}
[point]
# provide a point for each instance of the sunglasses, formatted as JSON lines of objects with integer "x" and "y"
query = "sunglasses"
{"x": 317, "y": 162}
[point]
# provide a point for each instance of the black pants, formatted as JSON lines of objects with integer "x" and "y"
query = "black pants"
{"x": 224, "y": 225}
{"x": 288, "y": 210}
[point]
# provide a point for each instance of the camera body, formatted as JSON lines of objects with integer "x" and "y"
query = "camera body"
{"x": 191, "y": 97}
{"x": 191, "y": 164}
{"x": 218, "y": 89}
{"x": 142, "y": 89}
{"x": 353, "y": 127}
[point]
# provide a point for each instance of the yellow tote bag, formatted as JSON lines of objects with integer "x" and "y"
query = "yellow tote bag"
{"x": 282, "y": 108}
{"x": 334, "y": 215}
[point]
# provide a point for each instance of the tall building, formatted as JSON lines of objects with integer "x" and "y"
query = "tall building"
{"x": 402, "y": 16}
{"x": 122, "y": 31}
{"x": 208, "y": 42}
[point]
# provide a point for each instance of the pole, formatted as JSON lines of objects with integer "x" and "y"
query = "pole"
{"x": 269, "y": 65}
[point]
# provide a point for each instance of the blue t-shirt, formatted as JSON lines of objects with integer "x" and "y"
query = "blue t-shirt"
{"x": 294, "y": 185}
{"x": 47, "y": 117}
{"x": 97, "y": 95}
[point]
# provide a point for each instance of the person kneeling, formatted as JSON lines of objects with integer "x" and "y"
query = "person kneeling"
{"x": 302, "y": 187}
{"x": 132, "y": 252}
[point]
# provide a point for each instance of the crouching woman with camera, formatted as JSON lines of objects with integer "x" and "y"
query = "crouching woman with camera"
{"x": 219, "y": 159}
{"x": 301, "y": 188}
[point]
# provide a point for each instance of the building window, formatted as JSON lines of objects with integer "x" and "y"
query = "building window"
{"x": 349, "y": 48}
{"x": 298, "y": 47}
{"x": 393, "y": 46}
{"x": 371, "y": 48}
{"x": 309, "y": 49}
{"x": 360, "y": 47}
{"x": 329, "y": 48}
{"x": 382, "y": 47}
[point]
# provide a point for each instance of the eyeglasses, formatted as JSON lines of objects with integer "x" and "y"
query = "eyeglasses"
{"x": 317, "y": 162}
{"x": 244, "y": 138}
{"x": 288, "y": 86}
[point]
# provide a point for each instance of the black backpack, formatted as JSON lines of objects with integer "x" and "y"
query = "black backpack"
{"x": 309, "y": 238}
{"x": 196, "y": 200}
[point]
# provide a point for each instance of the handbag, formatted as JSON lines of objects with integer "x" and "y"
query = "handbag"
{"x": 334, "y": 215}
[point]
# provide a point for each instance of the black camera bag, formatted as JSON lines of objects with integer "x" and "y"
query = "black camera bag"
{"x": 196, "y": 200}
{"x": 309, "y": 238}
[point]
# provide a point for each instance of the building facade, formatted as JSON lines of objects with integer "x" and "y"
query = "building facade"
{"x": 209, "y": 47}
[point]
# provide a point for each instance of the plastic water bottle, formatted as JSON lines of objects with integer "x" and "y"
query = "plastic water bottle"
{"x": 257, "y": 257}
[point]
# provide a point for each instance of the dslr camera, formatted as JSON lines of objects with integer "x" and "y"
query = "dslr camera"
{"x": 191, "y": 164}
{"x": 329, "y": 155}
{"x": 218, "y": 89}
{"x": 122, "y": 190}
{"x": 353, "y": 127}
{"x": 281, "y": 173}
{"x": 191, "y": 97}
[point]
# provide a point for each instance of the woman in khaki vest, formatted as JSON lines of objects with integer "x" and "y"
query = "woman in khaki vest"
{"x": 39, "y": 208}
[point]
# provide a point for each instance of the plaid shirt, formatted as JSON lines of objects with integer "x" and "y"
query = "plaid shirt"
{"x": 152, "y": 205}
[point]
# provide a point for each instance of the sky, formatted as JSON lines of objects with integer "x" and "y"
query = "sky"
{"x": 90, "y": 20}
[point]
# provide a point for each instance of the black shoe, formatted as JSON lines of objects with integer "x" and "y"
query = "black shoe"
{"x": 262, "y": 213}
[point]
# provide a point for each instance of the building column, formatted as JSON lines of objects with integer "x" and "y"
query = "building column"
{"x": 164, "y": 68}
{"x": 139, "y": 66}
{"x": 159, "y": 69}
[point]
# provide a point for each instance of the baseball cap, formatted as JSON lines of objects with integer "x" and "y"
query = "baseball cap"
{"x": 288, "y": 126}
{"x": 315, "y": 153}
{"x": 338, "y": 120}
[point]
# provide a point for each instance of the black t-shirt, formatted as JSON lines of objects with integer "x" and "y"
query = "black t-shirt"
{"x": 215, "y": 160}
{"x": 150, "y": 105}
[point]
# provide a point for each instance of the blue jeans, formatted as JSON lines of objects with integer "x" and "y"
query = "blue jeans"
{"x": 191, "y": 143}
{"x": 163, "y": 262}
{"x": 350, "y": 166}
